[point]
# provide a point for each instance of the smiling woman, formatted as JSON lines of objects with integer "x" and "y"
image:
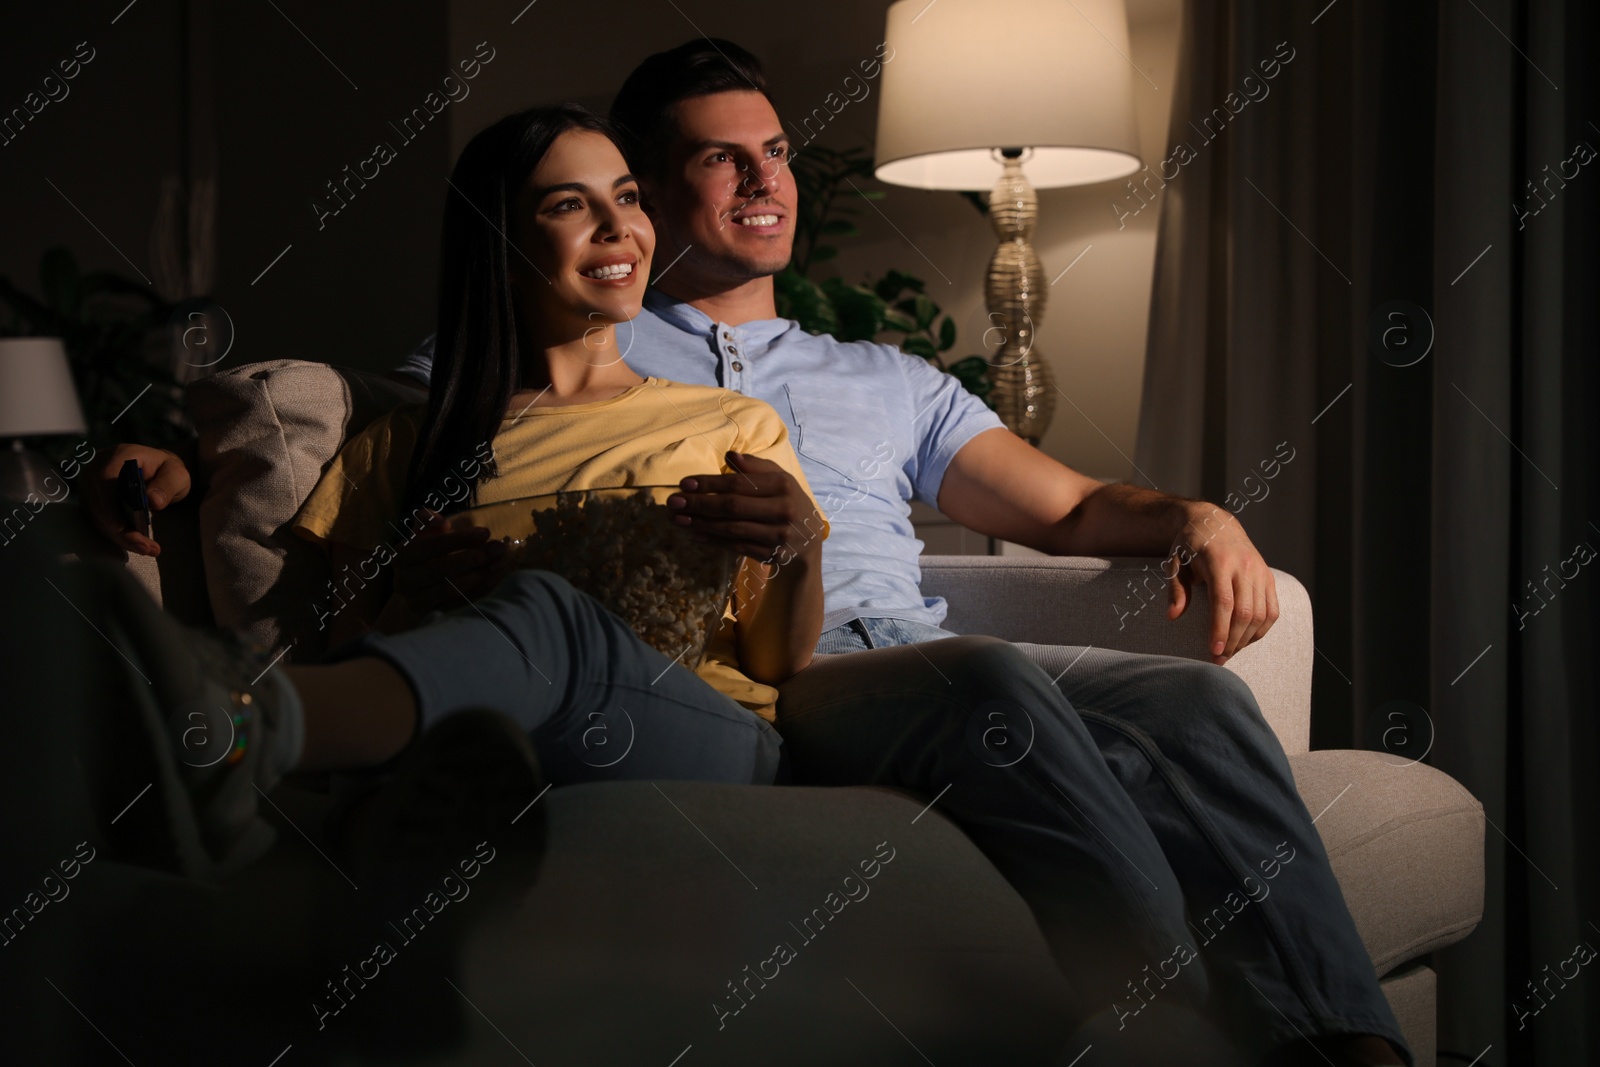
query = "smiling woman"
{"x": 545, "y": 249}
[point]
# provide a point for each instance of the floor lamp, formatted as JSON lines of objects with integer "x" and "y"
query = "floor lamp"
{"x": 974, "y": 93}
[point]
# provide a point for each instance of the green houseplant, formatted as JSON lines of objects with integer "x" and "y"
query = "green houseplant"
{"x": 894, "y": 307}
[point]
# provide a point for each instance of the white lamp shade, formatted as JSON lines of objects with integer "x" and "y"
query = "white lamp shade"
{"x": 37, "y": 396}
{"x": 965, "y": 77}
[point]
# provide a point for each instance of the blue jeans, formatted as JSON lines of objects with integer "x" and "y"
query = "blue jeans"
{"x": 597, "y": 702}
{"x": 1139, "y": 804}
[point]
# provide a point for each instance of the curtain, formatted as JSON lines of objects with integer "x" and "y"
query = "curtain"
{"x": 1377, "y": 256}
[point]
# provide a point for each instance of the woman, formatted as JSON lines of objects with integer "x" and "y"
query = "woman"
{"x": 544, "y": 250}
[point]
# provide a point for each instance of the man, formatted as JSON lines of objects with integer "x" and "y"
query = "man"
{"x": 1151, "y": 790}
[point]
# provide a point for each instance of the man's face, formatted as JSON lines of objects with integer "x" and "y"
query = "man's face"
{"x": 725, "y": 201}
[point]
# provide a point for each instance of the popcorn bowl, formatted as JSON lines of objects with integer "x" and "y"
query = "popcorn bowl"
{"x": 621, "y": 547}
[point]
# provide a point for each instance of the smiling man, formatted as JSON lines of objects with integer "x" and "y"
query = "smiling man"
{"x": 1151, "y": 789}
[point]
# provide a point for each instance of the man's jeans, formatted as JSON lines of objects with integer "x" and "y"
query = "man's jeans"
{"x": 1140, "y": 805}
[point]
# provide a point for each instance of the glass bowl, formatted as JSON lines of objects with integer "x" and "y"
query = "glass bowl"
{"x": 621, "y": 547}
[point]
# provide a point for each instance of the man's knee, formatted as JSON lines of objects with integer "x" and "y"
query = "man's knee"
{"x": 1218, "y": 686}
{"x": 992, "y": 673}
{"x": 1223, "y": 698}
{"x": 977, "y": 653}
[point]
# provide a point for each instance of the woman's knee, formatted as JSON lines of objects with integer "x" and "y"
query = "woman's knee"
{"x": 544, "y": 593}
{"x": 534, "y": 585}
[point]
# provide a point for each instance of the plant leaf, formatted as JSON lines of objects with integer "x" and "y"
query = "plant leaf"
{"x": 895, "y": 282}
{"x": 857, "y": 308}
{"x": 800, "y": 299}
{"x": 896, "y": 320}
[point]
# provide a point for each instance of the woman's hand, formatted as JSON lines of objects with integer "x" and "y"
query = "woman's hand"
{"x": 166, "y": 480}
{"x": 759, "y": 511}
{"x": 441, "y": 568}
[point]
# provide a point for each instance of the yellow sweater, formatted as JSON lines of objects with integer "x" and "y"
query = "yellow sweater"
{"x": 654, "y": 433}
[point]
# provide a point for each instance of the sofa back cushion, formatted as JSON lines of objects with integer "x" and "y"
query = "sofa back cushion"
{"x": 266, "y": 433}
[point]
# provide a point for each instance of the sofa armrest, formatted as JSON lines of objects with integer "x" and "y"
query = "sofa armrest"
{"x": 1121, "y": 604}
{"x": 176, "y": 580}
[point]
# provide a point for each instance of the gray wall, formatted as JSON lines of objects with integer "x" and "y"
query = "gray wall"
{"x": 357, "y": 291}
{"x": 105, "y": 145}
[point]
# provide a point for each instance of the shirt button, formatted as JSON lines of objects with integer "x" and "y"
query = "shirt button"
{"x": 732, "y": 351}
{"x": 726, "y": 336}
{"x": 737, "y": 365}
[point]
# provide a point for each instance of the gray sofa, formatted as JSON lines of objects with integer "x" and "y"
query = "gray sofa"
{"x": 655, "y": 897}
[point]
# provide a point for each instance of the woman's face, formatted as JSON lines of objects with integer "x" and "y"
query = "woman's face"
{"x": 581, "y": 244}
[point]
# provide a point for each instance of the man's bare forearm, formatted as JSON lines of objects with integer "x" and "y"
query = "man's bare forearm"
{"x": 1126, "y": 520}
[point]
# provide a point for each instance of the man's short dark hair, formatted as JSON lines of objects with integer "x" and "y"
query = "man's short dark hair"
{"x": 642, "y": 111}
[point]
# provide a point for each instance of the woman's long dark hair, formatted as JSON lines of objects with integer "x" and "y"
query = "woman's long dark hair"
{"x": 478, "y": 348}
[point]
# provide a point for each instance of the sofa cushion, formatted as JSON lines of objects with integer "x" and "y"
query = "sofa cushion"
{"x": 266, "y": 432}
{"x": 1406, "y": 842}
{"x": 657, "y": 901}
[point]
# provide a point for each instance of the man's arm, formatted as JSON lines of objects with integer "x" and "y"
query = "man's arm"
{"x": 1001, "y": 486}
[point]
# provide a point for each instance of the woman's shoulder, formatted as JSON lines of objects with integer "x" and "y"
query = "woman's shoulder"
{"x": 396, "y": 427}
{"x": 684, "y": 390}
{"x": 715, "y": 397}
{"x": 409, "y": 414}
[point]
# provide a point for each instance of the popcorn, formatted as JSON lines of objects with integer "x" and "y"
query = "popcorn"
{"x": 622, "y": 548}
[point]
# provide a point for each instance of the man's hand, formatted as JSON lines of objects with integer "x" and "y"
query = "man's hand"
{"x": 1212, "y": 547}
{"x": 439, "y": 566}
{"x": 759, "y": 511}
{"x": 166, "y": 480}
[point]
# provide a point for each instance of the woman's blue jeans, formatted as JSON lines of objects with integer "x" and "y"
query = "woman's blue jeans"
{"x": 597, "y": 702}
{"x": 1140, "y": 805}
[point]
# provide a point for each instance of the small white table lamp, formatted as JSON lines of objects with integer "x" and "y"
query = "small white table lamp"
{"x": 37, "y": 399}
{"x": 974, "y": 89}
